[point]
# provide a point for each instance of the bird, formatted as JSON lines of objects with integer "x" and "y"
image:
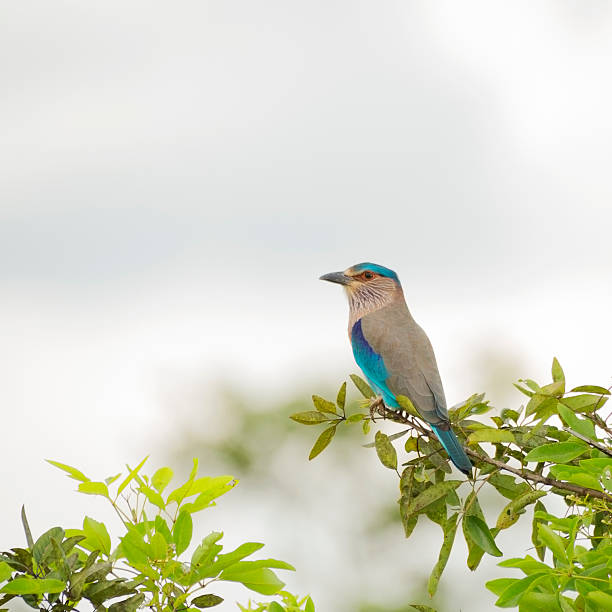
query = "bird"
{"x": 394, "y": 352}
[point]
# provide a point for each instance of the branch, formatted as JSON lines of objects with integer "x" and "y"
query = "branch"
{"x": 535, "y": 477}
{"x": 403, "y": 418}
{"x": 597, "y": 420}
{"x": 592, "y": 443}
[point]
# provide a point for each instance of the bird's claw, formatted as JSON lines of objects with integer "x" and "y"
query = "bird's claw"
{"x": 375, "y": 407}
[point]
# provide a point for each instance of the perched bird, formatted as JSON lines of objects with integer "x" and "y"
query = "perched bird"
{"x": 393, "y": 351}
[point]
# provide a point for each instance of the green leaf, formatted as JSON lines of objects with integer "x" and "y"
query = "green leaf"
{"x": 600, "y": 598}
{"x": 510, "y": 514}
{"x": 450, "y": 529}
{"x": 507, "y": 486}
{"x": 559, "y": 452}
{"x": 310, "y": 417}
{"x": 72, "y": 472}
{"x": 551, "y": 540}
{"x": 407, "y": 405}
{"x": 234, "y": 558}
{"x": 96, "y": 535}
{"x": 490, "y": 435}
{"x": 43, "y": 546}
{"x": 409, "y": 521}
{"x": 33, "y": 586}
{"x": 357, "y": 417}
{"x": 584, "y": 403}
{"x": 159, "y": 546}
{"x": 554, "y": 389}
{"x": 481, "y": 535}
{"x": 509, "y": 415}
{"x": 94, "y": 488}
{"x": 162, "y": 527}
{"x": 206, "y": 601}
{"x": 362, "y": 386}
{"x": 582, "y": 426}
{"x": 134, "y": 548}
{"x": 431, "y": 450}
{"x": 322, "y": 442}
{"x": 596, "y": 466}
{"x": 566, "y": 604}
{"x": 91, "y": 572}
{"x": 104, "y": 590}
{"x": 131, "y": 475}
{"x": 182, "y": 532}
{"x": 430, "y": 495}
{"x": 575, "y": 474}
{"x": 385, "y": 450}
{"x": 557, "y": 372}
{"x": 128, "y": 605}
{"x": 341, "y": 399}
{"x": 26, "y": 528}
{"x": 208, "y": 489}
{"x": 261, "y": 580}
{"x": 499, "y": 585}
{"x": 540, "y": 549}
{"x": 309, "y": 605}
{"x": 161, "y": 479}
{"x": 591, "y": 389}
{"x": 539, "y": 404}
{"x": 522, "y": 389}
{"x": 207, "y": 550}
{"x": 528, "y": 565}
{"x": 512, "y": 594}
{"x": 152, "y": 496}
{"x": 322, "y": 405}
{"x": 6, "y": 571}
{"x": 532, "y": 384}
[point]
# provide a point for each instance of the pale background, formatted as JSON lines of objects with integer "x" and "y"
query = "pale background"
{"x": 175, "y": 177}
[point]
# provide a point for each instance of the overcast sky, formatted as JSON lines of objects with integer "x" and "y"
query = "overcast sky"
{"x": 175, "y": 177}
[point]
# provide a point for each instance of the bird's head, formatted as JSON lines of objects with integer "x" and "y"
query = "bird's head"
{"x": 368, "y": 286}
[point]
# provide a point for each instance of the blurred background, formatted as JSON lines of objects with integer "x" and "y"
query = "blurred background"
{"x": 176, "y": 176}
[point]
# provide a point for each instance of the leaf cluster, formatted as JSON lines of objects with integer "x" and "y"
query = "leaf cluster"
{"x": 52, "y": 573}
{"x": 558, "y": 444}
{"x": 63, "y": 567}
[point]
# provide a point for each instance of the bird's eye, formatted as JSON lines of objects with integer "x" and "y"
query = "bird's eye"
{"x": 368, "y": 275}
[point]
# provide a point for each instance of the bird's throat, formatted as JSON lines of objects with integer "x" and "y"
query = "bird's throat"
{"x": 367, "y": 300}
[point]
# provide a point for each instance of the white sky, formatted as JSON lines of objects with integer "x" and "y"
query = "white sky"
{"x": 176, "y": 177}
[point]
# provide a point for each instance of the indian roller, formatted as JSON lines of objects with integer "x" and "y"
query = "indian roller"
{"x": 393, "y": 351}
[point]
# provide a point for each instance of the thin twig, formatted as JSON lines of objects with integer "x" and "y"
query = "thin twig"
{"x": 398, "y": 417}
{"x": 534, "y": 477}
{"x": 594, "y": 443}
{"x": 597, "y": 420}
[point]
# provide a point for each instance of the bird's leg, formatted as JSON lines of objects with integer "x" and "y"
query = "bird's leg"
{"x": 377, "y": 406}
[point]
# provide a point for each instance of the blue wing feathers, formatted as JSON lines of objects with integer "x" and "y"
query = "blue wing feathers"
{"x": 372, "y": 365}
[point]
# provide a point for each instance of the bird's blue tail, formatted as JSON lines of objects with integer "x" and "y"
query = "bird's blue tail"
{"x": 455, "y": 451}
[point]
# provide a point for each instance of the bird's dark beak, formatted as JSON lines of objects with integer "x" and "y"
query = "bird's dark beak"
{"x": 336, "y": 277}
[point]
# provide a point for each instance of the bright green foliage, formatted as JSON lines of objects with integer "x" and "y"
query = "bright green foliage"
{"x": 63, "y": 567}
{"x": 55, "y": 573}
{"x": 559, "y": 444}
{"x": 289, "y": 603}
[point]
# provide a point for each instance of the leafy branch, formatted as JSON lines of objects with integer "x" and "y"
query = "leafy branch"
{"x": 565, "y": 438}
{"x": 146, "y": 569}
{"x": 402, "y": 418}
